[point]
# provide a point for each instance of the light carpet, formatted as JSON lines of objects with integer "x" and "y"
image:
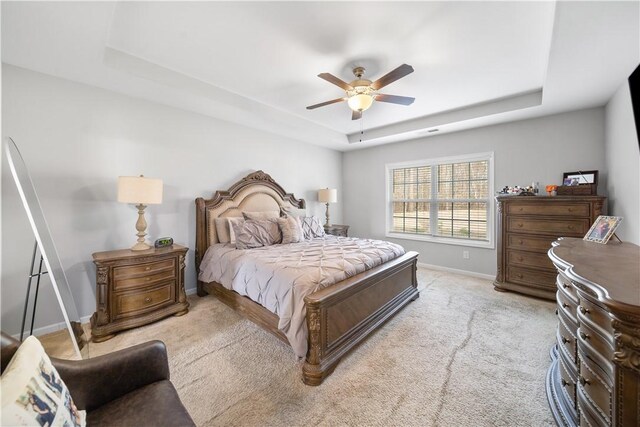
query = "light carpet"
{"x": 461, "y": 355}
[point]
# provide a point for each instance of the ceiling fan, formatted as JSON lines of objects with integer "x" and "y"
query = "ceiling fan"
{"x": 361, "y": 92}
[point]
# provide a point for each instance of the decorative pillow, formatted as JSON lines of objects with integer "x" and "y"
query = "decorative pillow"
{"x": 312, "y": 227}
{"x": 33, "y": 394}
{"x": 232, "y": 232}
{"x": 257, "y": 233}
{"x": 261, "y": 215}
{"x": 291, "y": 230}
{"x": 222, "y": 230}
{"x": 291, "y": 211}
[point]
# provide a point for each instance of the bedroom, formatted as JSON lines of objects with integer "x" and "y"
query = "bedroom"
{"x": 196, "y": 95}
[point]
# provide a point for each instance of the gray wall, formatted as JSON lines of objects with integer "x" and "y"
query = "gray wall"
{"x": 623, "y": 164}
{"x": 76, "y": 140}
{"x": 525, "y": 151}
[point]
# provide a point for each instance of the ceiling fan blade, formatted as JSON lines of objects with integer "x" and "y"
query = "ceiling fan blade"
{"x": 392, "y": 76}
{"x": 395, "y": 99}
{"x": 336, "y": 81}
{"x": 356, "y": 115}
{"x": 322, "y": 104}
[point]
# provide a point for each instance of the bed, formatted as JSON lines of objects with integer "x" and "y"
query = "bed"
{"x": 338, "y": 317}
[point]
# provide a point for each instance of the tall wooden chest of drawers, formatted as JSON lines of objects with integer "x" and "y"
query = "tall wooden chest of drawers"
{"x": 526, "y": 227}
{"x": 134, "y": 288}
{"x": 594, "y": 378}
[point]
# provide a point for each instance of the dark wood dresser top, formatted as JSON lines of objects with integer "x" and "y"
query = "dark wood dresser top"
{"x": 612, "y": 271}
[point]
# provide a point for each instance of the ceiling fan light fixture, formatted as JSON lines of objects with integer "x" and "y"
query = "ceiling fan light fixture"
{"x": 360, "y": 98}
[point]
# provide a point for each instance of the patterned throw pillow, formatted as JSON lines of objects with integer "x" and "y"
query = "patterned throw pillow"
{"x": 254, "y": 234}
{"x": 33, "y": 393}
{"x": 311, "y": 226}
{"x": 291, "y": 230}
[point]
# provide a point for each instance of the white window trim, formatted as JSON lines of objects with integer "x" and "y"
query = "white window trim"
{"x": 488, "y": 244}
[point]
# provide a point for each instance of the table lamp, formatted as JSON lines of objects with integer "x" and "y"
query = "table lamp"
{"x": 140, "y": 191}
{"x": 328, "y": 195}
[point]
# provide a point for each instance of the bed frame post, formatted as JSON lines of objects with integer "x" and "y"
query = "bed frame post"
{"x": 201, "y": 240}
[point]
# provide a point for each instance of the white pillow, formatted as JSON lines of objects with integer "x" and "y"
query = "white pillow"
{"x": 33, "y": 393}
{"x": 222, "y": 230}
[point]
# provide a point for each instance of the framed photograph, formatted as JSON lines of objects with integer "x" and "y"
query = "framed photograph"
{"x": 602, "y": 230}
{"x": 580, "y": 178}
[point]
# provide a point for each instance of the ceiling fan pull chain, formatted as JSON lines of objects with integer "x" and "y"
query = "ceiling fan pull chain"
{"x": 361, "y": 128}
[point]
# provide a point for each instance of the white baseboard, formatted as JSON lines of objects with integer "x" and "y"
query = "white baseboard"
{"x": 457, "y": 271}
{"x": 54, "y": 327}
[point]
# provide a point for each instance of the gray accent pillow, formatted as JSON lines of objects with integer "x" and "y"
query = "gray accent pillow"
{"x": 261, "y": 215}
{"x": 232, "y": 233}
{"x": 257, "y": 233}
{"x": 291, "y": 230}
{"x": 312, "y": 227}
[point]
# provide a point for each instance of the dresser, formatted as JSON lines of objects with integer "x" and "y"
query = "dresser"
{"x": 134, "y": 288}
{"x": 526, "y": 226}
{"x": 337, "y": 230}
{"x": 594, "y": 378}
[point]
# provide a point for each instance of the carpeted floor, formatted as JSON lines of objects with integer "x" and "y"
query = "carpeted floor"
{"x": 461, "y": 355}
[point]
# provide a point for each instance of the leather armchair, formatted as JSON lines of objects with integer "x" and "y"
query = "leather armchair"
{"x": 128, "y": 387}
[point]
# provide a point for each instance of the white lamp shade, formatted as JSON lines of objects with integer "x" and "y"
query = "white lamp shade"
{"x": 328, "y": 195}
{"x": 139, "y": 190}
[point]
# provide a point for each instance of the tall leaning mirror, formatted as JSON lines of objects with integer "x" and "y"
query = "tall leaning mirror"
{"x": 46, "y": 247}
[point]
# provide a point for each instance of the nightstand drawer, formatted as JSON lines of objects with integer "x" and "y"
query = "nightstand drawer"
{"x": 337, "y": 230}
{"x": 135, "y": 303}
{"x": 143, "y": 274}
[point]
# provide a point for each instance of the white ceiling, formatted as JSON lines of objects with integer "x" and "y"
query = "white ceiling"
{"x": 255, "y": 63}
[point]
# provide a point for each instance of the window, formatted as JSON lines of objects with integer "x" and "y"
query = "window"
{"x": 445, "y": 200}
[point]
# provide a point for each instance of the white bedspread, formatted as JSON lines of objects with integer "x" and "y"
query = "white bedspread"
{"x": 278, "y": 277}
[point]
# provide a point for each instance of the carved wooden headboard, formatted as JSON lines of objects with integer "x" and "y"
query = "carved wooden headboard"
{"x": 256, "y": 192}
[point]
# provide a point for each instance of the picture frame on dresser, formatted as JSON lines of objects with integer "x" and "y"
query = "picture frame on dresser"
{"x": 603, "y": 229}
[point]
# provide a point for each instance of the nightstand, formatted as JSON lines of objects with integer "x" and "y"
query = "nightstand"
{"x": 336, "y": 230}
{"x": 134, "y": 288}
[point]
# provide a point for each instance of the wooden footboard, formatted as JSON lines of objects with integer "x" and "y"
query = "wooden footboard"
{"x": 341, "y": 316}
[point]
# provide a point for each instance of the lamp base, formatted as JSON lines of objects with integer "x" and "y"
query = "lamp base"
{"x": 141, "y": 246}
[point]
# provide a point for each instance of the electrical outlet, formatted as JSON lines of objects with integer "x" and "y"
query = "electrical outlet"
{"x": 465, "y": 254}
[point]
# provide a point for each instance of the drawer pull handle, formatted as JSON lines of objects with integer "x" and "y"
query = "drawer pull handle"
{"x": 520, "y": 258}
{"x": 147, "y": 279}
{"x": 570, "y": 227}
{"x": 584, "y": 311}
{"x": 565, "y": 341}
{"x": 147, "y": 300}
{"x": 563, "y": 382}
{"x": 147, "y": 268}
{"x": 570, "y": 209}
{"x": 565, "y": 305}
{"x": 584, "y": 336}
{"x": 584, "y": 381}
{"x": 520, "y": 224}
{"x": 519, "y": 275}
{"x": 564, "y": 285}
{"x": 521, "y": 242}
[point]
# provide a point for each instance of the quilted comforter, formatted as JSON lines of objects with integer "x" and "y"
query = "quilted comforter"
{"x": 278, "y": 277}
